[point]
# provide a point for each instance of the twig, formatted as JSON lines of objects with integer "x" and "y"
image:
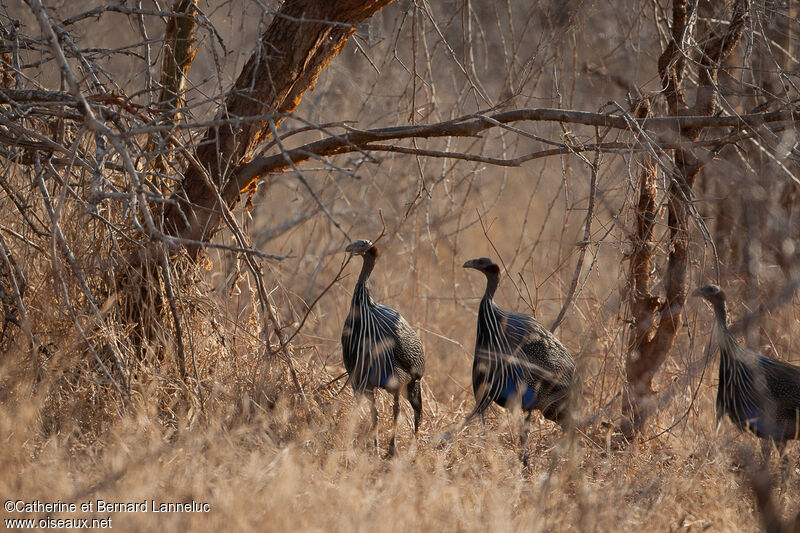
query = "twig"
{"x": 310, "y": 308}
{"x": 167, "y": 273}
{"x": 305, "y": 183}
{"x": 587, "y": 235}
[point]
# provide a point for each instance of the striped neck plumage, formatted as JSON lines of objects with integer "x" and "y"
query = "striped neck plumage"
{"x": 720, "y": 312}
{"x": 487, "y": 304}
{"x": 361, "y": 293}
{"x": 488, "y": 333}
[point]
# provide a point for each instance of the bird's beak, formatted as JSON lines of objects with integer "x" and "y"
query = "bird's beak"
{"x": 696, "y": 292}
{"x": 349, "y": 248}
{"x": 468, "y": 264}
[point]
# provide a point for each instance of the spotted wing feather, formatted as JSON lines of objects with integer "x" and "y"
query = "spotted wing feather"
{"x": 517, "y": 359}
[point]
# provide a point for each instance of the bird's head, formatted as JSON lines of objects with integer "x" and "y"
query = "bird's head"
{"x": 484, "y": 264}
{"x": 709, "y": 292}
{"x": 361, "y": 247}
{"x": 716, "y": 297}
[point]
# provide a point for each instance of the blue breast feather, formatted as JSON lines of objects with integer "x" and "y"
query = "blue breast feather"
{"x": 766, "y": 363}
{"x": 516, "y": 329}
{"x": 755, "y": 423}
{"x": 752, "y": 418}
{"x": 379, "y": 375}
{"x": 386, "y": 316}
{"x": 513, "y": 386}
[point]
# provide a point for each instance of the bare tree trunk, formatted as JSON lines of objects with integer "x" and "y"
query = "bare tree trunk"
{"x": 647, "y": 353}
{"x": 179, "y": 53}
{"x": 148, "y": 287}
{"x": 301, "y": 40}
{"x": 178, "y": 56}
{"x": 644, "y": 305}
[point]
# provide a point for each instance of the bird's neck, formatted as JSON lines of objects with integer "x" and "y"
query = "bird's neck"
{"x": 492, "y": 280}
{"x": 366, "y": 269}
{"x": 721, "y": 313}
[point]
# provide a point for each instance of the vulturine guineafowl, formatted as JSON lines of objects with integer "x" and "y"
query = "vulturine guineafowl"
{"x": 380, "y": 348}
{"x": 758, "y": 393}
{"x": 518, "y": 363}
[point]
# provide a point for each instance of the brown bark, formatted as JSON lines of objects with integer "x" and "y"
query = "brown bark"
{"x": 179, "y": 53}
{"x": 178, "y": 56}
{"x": 6, "y": 70}
{"x": 301, "y": 40}
{"x": 643, "y": 303}
{"x": 648, "y": 351}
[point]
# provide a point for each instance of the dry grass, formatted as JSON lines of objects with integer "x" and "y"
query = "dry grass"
{"x": 303, "y": 467}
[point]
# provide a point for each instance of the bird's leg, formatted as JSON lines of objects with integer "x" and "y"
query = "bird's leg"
{"x": 415, "y": 399}
{"x": 780, "y": 445}
{"x": 373, "y": 428}
{"x": 524, "y": 456}
{"x": 395, "y": 413}
{"x": 766, "y": 449}
{"x": 784, "y": 465}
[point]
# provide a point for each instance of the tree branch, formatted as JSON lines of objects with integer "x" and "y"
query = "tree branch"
{"x": 472, "y": 125}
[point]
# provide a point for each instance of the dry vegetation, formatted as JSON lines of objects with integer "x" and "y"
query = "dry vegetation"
{"x": 92, "y": 402}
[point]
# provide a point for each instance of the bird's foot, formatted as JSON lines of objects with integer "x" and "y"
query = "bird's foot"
{"x": 439, "y": 441}
{"x": 525, "y": 458}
